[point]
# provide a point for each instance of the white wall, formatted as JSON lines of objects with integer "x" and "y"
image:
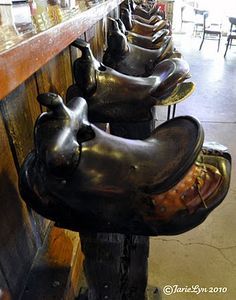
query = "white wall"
{"x": 219, "y": 10}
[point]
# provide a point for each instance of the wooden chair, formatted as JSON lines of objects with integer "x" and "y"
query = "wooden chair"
{"x": 198, "y": 21}
{"x": 232, "y": 33}
{"x": 186, "y": 15}
{"x": 211, "y": 30}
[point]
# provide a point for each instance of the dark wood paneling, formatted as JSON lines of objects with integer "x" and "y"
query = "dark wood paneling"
{"x": 75, "y": 53}
{"x": 90, "y": 34}
{"x": 18, "y": 247}
{"x": 96, "y": 36}
{"x": 56, "y": 76}
{"x": 20, "y": 110}
{"x": 100, "y": 38}
{"x": 21, "y": 61}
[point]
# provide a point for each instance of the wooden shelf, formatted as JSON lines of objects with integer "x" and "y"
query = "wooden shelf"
{"x": 29, "y": 54}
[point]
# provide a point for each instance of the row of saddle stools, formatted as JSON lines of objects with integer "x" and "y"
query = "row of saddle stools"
{"x": 138, "y": 182}
{"x": 138, "y": 41}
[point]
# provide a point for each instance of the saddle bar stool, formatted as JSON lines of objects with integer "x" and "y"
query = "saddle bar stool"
{"x": 212, "y": 29}
{"x": 232, "y": 34}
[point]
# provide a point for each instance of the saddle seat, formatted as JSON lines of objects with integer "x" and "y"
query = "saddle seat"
{"x": 85, "y": 179}
{"x": 149, "y": 42}
{"x": 131, "y": 59}
{"x": 141, "y": 12}
{"x": 139, "y": 27}
{"x": 148, "y": 30}
{"x": 116, "y": 97}
{"x": 138, "y": 10}
{"x": 152, "y": 21}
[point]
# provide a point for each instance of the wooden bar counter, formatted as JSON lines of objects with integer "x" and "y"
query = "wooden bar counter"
{"x": 25, "y": 50}
{"x": 38, "y": 261}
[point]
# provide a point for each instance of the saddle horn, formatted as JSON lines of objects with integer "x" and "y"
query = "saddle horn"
{"x": 126, "y": 18}
{"x": 59, "y": 132}
{"x": 121, "y": 26}
{"x": 116, "y": 40}
{"x": 54, "y": 103}
{"x": 82, "y": 45}
{"x": 84, "y": 68}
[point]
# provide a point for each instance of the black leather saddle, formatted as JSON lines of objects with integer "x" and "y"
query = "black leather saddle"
{"x": 131, "y": 59}
{"x": 146, "y": 14}
{"x": 152, "y": 21}
{"x": 141, "y": 11}
{"x": 115, "y": 97}
{"x": 149, "y": 42}
{"x": 85, "y": 179}
{"x": 139, "y": 27}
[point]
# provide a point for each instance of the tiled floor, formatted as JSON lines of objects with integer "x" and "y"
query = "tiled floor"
{"x": 206, "y": 255}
